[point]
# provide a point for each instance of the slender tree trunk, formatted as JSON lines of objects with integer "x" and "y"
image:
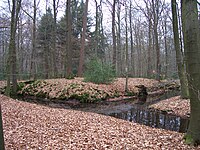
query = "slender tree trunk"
{"x": 155, "y": 29}
{"x": 46, "y": 61}
{"x": 119, "y": 47}
{"x": 20, "y": 47}
{"x": 2, "y": 147}
{"x": 158, "y": 65}
{"x": 132, "y": 54}
{"x": 136, "y": 32}
{"x": 126, "y": 55}
{"x": 131, "y": 38}
{"x": 114, "y": 35}
{"x": 68, "y": 73}
{"x": 166, "y": 48}
{"x": 149, "y": 71}
{"x": 192, "y": 53}
{"x": 8, "y": 70}
{"x": 179, "y": 59}
{"x": 33, "y": 57}
{"x": 83, "y": 37}
{"x": 96, "y": 29}
{"x": 54, "y": 69}
{"x": 140, "y": 51}
{"x": 47, "y": 48}
{"x": 102, "y": 41}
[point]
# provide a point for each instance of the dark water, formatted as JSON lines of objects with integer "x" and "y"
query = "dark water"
{"x": 155, "y": 119}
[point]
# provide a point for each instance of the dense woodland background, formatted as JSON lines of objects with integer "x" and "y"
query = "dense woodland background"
{"x": 50, "y": 38}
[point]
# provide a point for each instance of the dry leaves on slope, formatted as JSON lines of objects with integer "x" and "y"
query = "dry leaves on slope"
{"x": 175, "y": 105}
{"x": 76, "y": 88}
{"x": 31, "y": 126}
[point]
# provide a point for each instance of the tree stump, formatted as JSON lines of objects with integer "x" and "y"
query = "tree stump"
{"x": 142, "y": 94}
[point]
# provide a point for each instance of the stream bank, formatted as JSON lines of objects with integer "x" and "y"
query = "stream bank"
{"x": 66, "y": 94}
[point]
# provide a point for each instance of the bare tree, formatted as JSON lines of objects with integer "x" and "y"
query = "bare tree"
{"x": 12, "y": 57}
{"x": 33, "y": 53}
{"x": 131, "y": 40}
{"x": 119, "y": 41}
{"x": 55, "y": 11}
{"x": 114, "y": 34}
{"x": 97, "y": 26}
{"x": 179, "y": 57}
{"x": 68, "y": 72}
{"x": 156, "y": 7}
{"x": 83, "y": 37}
{"x": 126, "y": 50}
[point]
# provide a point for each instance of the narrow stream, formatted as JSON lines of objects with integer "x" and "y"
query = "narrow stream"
{"x": 139, "y": 113}
{"x": 155, "y": 119}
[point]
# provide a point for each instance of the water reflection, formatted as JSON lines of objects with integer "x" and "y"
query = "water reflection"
{"x": 155, "y": 119}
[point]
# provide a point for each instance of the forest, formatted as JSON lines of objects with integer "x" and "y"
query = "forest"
{"x": 87, "y": 73}
{"x": 50, "y": 41}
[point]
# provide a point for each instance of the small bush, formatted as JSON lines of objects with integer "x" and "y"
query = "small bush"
{"x": 97, "y": 72}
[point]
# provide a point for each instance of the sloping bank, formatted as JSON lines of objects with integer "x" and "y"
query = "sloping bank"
{"x": 83, "y": 91}
{"x": 31, "y": 126}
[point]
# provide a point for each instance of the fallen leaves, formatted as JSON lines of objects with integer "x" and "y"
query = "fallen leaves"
{"x": 31, "y": 126}
{"x": 86, "y": 91}
{"x": 174, "y": 105}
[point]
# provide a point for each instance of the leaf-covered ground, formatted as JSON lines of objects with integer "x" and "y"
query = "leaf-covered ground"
{"x": 85, "y": 91}
{"x": 31, "y": 126}
{"x": 175, "y": 105}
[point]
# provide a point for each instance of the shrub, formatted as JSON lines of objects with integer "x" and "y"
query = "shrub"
{"x": 97, "y": 72}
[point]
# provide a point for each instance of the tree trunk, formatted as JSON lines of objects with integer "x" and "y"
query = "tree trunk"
{"x": 119, "y": 47}
{"x": 149, "y": 70}
{"x": 83, "y": 37}
{"x": 102, "y": 37}
{"x": 138, "y": 48}
{"x": 155, "y": 29}
{"x": 46, "y": 61}
{"x": 192, "y": 53}
{"x": 12, "y": 58}
{"x": 179, "y": 59}
{"x": 68, "y": 72}
{"x": 131, "y": 40}
{"x": 126, "y": 55}
{"x": 97, "y": 25}
{"x": 2, "y": 147}
{"x": 20, "y": 48}
{"x": 166, "y": 47}
{"x": 33, "y": 57}
{"x": 114, "y": 35}
{"x": 54, "y": 69}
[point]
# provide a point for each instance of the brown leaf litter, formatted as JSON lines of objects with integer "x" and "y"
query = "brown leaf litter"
{"x": 175, "y": 105}
{"x": 32, "y": 126}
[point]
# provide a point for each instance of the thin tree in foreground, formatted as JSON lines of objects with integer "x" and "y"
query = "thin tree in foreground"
{"x": 192, "y": 53}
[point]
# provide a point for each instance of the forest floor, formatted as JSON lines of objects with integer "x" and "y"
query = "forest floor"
{"x": 34, "y": 126}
